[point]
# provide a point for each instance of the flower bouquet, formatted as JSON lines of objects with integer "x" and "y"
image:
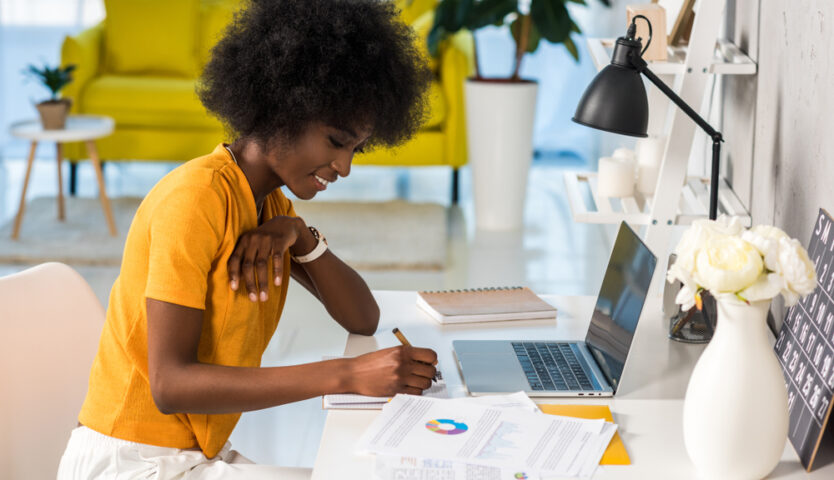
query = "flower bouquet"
{"x": 742, "y": 270}
{"x": 724, "y": 258}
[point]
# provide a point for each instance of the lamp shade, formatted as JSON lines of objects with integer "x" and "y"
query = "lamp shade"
{"x": 616, "y": 101}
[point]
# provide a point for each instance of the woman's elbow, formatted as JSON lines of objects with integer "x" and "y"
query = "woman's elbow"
{"x": 162, "y": 395}
{"x": 367, "y": 323}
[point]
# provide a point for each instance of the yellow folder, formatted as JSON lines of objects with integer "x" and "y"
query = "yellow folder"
{"x": 616, "y": 453}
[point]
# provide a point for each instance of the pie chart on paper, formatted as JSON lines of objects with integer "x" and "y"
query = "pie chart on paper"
{"x": 445, "y": 426}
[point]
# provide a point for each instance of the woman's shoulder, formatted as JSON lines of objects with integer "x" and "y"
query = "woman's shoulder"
{"x": 211, "y": 171}
{"x": 202, "y": 183}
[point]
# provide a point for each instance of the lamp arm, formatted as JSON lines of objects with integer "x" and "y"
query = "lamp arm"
{"x": 642, "y": 67}
{"x": 675, "y": 98}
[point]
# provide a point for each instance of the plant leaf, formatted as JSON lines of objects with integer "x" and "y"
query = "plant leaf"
{"x": 463, "y": 10}
{"x": 552, "y": 19}
{"x": 443, "y": 26}
{"x": 55, "y": 79}
{"x": 581, "y": 2}
{"x": 534, "y": 36}
{"x": 574, "y": 52}
{"x": 489, "y": 12}
{"x": 435, "y": 37}
{"x": 574, "y": 27}
{"x": 444, "y": 15}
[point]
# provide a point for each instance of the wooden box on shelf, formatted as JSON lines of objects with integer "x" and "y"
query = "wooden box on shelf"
{"x": 657, "y": 16}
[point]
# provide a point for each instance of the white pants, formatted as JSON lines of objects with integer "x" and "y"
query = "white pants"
{"x": 92, "y": 455}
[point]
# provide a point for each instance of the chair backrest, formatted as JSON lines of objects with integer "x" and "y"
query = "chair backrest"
{"x": 50, "y": 323}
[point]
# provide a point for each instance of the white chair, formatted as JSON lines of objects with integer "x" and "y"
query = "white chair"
{"x": 50, "y": 322}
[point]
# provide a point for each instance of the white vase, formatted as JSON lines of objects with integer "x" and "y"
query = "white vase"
{"x": 735, "y": 415}
{"x": 499, "y": 127}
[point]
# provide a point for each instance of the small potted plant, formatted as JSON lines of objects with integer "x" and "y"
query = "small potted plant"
{"x": 54, "y": 111}
{"x": 500, "y": 111}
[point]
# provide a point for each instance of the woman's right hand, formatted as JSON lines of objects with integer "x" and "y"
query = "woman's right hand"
{"x": 390, "y": 371}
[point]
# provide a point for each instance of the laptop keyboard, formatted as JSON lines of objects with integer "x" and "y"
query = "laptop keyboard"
{"x": 551, "y": 366}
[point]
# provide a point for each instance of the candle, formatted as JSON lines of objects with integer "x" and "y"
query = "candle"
{"x": 616, "y": 176}
{"x": 623, "y": 152}
{"x": 649, "y": 155}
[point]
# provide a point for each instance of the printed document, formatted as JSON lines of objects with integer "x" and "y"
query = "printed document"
{"x": 413, "y": 468}
{"x": 466, "y": 432}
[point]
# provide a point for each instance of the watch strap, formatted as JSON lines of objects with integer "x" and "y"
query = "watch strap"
{"x": 318, "y": 251}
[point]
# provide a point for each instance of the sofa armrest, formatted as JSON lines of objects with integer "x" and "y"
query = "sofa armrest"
{"x": 85, "y": 51}
{"x": 457, "y": 63}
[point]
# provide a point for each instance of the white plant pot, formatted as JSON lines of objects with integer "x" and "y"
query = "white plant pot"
{"x": 735, "y": 415}
{"x": 499, "y": 121}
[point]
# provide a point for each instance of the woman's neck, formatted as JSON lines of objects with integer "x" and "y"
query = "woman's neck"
{"x": 254, "y": 164}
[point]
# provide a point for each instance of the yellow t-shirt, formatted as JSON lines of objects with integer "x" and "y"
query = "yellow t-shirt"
{"x": 176, "y": 251}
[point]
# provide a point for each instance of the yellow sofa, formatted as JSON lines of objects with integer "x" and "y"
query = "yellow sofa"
{"x": 140, "y": 66}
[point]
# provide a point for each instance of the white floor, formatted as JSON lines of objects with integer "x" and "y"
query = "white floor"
{"x": 551, "y": 255}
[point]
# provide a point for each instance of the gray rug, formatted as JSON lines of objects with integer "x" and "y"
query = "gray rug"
{"x": 391, "y": 235}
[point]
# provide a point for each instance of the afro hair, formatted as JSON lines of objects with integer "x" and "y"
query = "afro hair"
{"x": 283, "y": 65}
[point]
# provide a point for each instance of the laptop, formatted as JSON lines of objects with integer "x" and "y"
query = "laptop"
{"x": 552, "y": 368}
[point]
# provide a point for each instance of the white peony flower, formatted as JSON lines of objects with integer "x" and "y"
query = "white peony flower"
{"x": 769, "y": 231}
{"x": 686, "y": 295}
{"x": 767, "y": 286}
{"x": 727, "y": 264}
{"x": 766, "y": 240}
{"x": 696, "y": 236}
{"x": 796, "y": 268}
{"x": 756, "y": 264}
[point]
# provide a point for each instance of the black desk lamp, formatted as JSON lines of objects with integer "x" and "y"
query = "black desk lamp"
{"x": 616, "y": 102}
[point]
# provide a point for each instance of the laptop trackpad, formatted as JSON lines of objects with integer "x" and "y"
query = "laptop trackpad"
{"x": 495, "y": 372}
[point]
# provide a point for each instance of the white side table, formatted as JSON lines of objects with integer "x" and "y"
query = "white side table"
{"x": 79, "y": 128}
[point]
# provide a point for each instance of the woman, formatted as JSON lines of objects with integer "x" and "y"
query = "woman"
{"x": 303, "y": 85}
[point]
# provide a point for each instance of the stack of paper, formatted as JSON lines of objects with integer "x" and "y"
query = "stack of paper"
{"x": 467, "y": 439}
{"x": 352, "y": 401}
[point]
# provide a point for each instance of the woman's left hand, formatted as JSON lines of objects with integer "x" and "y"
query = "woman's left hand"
{"x": 250, "y": 259}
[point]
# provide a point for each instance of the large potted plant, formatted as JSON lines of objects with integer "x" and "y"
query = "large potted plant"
{"x": 53, "y": 111}
{"x": 500, "y": 111}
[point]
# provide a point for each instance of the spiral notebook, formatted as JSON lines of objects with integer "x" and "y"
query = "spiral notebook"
{"x": 484, "y": 305}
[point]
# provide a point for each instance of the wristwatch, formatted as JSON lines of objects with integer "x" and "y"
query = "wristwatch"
{"x": 318, "y": 251}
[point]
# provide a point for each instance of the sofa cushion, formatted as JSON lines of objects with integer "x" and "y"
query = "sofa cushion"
{"x": 172, "y": 103}
{"x": 154, "y": 102}
{"x": 422, "y": 26}
{"x": 151, "y": 37}
{"x": 437, "y": 106}
{"x": 411, "y": 9}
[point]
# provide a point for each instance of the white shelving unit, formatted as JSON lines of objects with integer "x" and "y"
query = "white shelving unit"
{"x": 678, "y": 199}
{"x": 727, "y": 58}
{"x": 692, "y": 205}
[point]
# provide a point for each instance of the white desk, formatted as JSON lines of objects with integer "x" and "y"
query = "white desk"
{"x": 647, "y": 407}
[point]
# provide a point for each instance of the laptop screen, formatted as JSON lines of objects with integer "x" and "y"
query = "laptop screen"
{"x": 619, "y": 303}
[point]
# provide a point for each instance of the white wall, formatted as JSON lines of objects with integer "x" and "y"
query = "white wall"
{"x": 779, "y": 125}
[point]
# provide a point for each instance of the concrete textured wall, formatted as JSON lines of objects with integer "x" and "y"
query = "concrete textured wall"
{"x": 780, "y": 125}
